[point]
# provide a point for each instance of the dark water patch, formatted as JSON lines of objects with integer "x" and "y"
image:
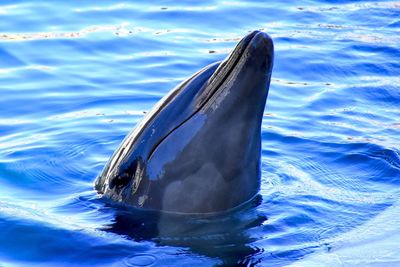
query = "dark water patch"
{"x": 9, "y": 60}
{"x": 395, "y": 24}
{"x": 387, "y": 50}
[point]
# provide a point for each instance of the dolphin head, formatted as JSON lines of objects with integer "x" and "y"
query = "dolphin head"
{"x": 198, "y": 150}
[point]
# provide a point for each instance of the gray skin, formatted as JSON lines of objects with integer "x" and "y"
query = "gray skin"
{"x": 198, "y": 150}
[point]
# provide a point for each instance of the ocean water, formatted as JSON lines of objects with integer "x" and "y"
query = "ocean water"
{"x": 75, "y": 78}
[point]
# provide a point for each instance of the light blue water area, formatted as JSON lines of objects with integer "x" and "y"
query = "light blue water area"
{"x": 76, "y": 77}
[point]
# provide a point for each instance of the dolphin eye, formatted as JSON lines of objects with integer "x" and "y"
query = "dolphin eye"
{"x": 120, "y": 181}
{"x": 123, "y": 178}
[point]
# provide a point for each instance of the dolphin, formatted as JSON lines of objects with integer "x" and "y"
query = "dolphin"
{"x": 198, "y": 150}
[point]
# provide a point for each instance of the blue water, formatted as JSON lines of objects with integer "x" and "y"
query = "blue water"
{"x": 75, "y": 79}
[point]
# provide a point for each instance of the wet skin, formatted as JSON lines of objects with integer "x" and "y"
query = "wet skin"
{"x": 198, "y": 150}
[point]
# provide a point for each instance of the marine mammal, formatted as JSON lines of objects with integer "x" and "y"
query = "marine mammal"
{"x": 198, "y": 150}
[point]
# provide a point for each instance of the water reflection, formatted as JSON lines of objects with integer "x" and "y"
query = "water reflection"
{"x": 224, "y": 236}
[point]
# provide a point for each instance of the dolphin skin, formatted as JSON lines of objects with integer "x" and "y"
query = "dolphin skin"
{"x": 199, "y": 149}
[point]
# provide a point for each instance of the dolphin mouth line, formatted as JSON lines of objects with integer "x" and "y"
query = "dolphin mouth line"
{"x": 217, "y": 79}
{"x": 224, "y": 70}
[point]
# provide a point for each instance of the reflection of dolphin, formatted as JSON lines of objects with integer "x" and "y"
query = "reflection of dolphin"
{"x": 225, "y": 237}
{"x": 198, "y": 150}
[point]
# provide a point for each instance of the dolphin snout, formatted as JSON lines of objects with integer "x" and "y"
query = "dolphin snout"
{"x": 262, "y": 40}
{"x": 260, "y": 50}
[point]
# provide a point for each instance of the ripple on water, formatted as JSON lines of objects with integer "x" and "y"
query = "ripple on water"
{"x": 140, "y": 260}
